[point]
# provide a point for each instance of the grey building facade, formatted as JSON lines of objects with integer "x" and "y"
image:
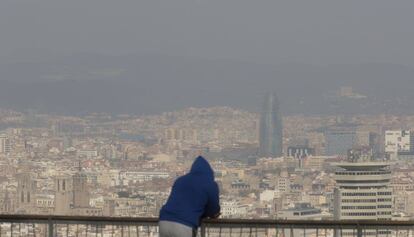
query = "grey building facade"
{"x": 271, "y": 130}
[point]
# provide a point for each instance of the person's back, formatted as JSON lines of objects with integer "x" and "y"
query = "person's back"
{"x": 193, "y": 196}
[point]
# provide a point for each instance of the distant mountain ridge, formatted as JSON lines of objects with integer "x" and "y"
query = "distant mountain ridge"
{"x": 143, "y": 84}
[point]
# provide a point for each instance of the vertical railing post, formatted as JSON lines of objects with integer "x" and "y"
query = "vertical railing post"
{"x": 50, "y": 227}
{"x": 359, "y": 231}
{"x": 203, "y": 230}
{"x": 336, "y": 232}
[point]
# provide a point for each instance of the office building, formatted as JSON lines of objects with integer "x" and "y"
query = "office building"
{"x": 375, "y": 142}
{"x": 339, "y": 140}
{"x": 5, "y": 146}
{"x": 399, "y": 143}
{"x": 300, "y": 153}
{"x": 271, "y": 131}
{"x": 363, "y": 190}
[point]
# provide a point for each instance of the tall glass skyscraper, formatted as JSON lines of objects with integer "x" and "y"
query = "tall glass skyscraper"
{"x": 271, "y": 130}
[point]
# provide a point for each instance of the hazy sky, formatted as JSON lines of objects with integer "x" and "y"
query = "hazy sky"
{"x": 269, "y": 31}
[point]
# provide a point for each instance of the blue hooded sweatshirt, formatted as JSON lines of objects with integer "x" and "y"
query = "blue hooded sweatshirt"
{"x": 193, "y": 196}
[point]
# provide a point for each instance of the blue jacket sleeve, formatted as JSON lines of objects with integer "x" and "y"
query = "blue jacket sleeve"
{"x": 213, "y": 203}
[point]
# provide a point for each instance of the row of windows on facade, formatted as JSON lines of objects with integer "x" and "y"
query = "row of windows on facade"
{"x": 361, "y": 188}
{"x": 367, "y": 184}
{"x": 366, "y": 213}
{"x": 45, "y": 202}
{"x": 365, "y": 207}
{"x": 306, "y": 213}
{"x": 366, "y": 200}
{"x": 363, "y": 182}
{"x": 367, "y": 194}
{"x": 95, "y": 212}
{"x": 384, "y": 200}
{"x": 362, "y": 173}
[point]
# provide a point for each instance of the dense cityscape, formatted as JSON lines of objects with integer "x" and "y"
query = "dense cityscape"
{"x": 103, "y": 165}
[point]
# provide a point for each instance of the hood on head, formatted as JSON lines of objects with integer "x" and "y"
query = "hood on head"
{"x": 201, "y": 166}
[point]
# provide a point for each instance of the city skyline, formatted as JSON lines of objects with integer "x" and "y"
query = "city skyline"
{"x": 129, "y": 163}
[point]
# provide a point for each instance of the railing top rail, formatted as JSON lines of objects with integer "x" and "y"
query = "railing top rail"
{"x": 216, "y": 222}
{"x": 269, "y": 223}
{"x": 46, "y": 218}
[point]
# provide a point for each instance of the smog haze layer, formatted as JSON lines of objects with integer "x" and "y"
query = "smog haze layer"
{"x": 150, "y": 56}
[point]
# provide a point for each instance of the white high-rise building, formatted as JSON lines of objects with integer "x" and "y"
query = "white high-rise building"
{"x": 283, "y": 182}
{"x": 363, "y": 191}
{"x": 398, "y": 141}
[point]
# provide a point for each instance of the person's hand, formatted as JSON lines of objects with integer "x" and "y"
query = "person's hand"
{"x": 216, "y": 216}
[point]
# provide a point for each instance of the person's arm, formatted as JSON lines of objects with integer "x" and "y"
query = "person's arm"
{"x": 213, "y": 204}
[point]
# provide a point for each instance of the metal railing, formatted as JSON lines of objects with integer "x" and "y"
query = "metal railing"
{"x": 84, "y": 226}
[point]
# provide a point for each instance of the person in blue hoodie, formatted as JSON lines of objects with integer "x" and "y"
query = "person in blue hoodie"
{"x": 194, "y": 196}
